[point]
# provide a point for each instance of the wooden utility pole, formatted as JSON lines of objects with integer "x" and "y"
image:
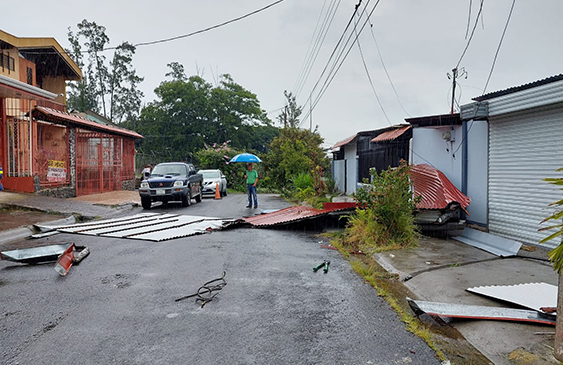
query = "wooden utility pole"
{"x": 454, "y": 76}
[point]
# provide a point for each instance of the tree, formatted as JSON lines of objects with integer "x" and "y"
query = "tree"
{"x": 111, "y": 90}
{"x": 556, "y": 257}
{"x": 293, "y": 152}
{"x": 289, "y": 116}
{"x": 190, "y": 113}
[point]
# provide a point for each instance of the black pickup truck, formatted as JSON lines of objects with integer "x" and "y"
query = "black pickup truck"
{"x": 171, "y": 181}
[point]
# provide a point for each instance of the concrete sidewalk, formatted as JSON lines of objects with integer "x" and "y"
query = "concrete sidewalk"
{"x": 440, "y": 270}
{"x": 106, "y": 205}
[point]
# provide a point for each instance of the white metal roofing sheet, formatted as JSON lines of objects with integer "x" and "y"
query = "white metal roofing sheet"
{"x": 529, "y": 295}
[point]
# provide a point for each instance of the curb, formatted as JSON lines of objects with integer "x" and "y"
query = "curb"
{"x": 26, "y": 231}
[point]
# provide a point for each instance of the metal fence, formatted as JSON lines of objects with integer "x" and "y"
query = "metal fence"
{"x": 103, "y": 162}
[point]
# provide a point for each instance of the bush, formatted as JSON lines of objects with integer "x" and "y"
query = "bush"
{"x": 386, "y": 218}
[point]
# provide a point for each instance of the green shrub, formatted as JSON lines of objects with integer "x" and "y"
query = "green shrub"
{"x": 385, "y": 219}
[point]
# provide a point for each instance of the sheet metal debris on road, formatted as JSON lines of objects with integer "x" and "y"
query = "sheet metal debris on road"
{"x": 452, "y": 310}
{"x": 528, "y": 295}
{"x": 298, "y": 213}
{"x": 147, "y": 226}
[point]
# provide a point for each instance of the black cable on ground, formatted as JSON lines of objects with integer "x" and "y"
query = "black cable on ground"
{"x": 205, "y": 293}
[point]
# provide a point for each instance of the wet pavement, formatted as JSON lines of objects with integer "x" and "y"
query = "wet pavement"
{"x": 118, "y": 305}
{"x": 440, "y": 270}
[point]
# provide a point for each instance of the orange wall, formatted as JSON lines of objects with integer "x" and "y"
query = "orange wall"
{"x": 55, "y": 85}
{"x": 24, "y": 64}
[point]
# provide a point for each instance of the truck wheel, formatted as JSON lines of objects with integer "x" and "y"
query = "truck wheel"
{"x": 187, "y": 199}
{"x": 198, "y": 196}
{"x": 225, "y": 192}
{"x": 146, "y": 202}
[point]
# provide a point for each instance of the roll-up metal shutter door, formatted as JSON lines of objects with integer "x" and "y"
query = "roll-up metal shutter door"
{"x": 524, "y": 148}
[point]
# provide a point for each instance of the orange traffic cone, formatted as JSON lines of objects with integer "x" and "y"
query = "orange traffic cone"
{"x": 217, "y": 192}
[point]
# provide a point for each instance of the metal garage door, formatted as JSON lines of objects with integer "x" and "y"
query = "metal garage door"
{"x": 524, "y": 148}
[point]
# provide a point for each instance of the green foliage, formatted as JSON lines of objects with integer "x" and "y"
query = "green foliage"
{"x": 386, "y": 218}
{"x": 190, "y": 113}
{"x": 110, "y": 90}
{"x": 295, "y": 151}
{"x": 217, "y": 156}
{"x": 289, "y": 116}
{"x": 555, "y": 255}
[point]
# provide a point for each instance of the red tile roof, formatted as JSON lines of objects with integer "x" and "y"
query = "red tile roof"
{"x": 434, "y": 188}
{"x": 392, "y": 134}
{"x": 41, "y": 112}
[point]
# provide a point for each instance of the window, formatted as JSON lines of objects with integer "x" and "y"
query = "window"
{"x": 7, "y": 62}
{"x": 29, "y": 76}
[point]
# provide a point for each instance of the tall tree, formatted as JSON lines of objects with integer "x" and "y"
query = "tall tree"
{"x": 289, "y": 116}
{"x": 190, "y": 112}
{"x": 110, "y": 89}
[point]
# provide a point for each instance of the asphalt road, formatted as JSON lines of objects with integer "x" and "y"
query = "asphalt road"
{"x": 118, "y": 305}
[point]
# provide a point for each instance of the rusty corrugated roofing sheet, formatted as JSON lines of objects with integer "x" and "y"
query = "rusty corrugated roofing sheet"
{"x": 434, "y": 188}
{"x": 392, "y": 134}
{"x": 344, "y": 142}
{"x": 48, "y": 113}
{"x": 294, "y": 214}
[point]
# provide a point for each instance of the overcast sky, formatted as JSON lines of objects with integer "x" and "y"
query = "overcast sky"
{"x": 420, "y": 42}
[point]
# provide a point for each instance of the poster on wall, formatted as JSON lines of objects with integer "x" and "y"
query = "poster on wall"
{"x": 56, "y": 171}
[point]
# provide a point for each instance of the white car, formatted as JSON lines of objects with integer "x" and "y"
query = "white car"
{"x": 210, "y": 180}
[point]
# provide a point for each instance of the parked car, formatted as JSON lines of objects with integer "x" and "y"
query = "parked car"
{"x": 210, "y": 180}
{"x": 171, "y": 181}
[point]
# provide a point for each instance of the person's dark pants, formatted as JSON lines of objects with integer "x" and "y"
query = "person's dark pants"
{"x": 252, "y": 194}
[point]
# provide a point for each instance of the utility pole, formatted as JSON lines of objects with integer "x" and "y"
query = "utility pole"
{"x": 455, "y": 74}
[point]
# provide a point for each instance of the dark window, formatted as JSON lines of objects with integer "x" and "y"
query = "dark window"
{"x": 30, "y": 76}
{"x": 7, "y": 62}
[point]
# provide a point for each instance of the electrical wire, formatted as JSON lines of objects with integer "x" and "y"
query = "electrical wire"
{"x": 498, "y": 48}
{"x": 385, "y": 68}
{"x": 369, "y": 76}
{"x": 321, "y": 36}
{"x": 472, "y": 33}
{"x": 468, "y": 18}
{"x": 180, "y": 36}
{"x": 341, "y": 57}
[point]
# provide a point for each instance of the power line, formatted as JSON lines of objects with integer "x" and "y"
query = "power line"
{"x": 342, "y": 55}
{"x": 498, "y": 48}
{"x": 320, "y": 38}
{"x": 369, "y": 76}
{"x": 385, "y": 68}
{"x": 472, "y": 32}
{"x": 181, "y": 36}
{"x": 468, "y": 18}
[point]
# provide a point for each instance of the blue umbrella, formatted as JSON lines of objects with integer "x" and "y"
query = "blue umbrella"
{"x": 245, "y": 157}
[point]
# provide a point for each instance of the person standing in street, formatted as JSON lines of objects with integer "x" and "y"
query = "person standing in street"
{"x": 251, "y": 177}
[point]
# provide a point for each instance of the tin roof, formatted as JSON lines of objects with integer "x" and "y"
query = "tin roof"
{"x": 344, "y": 142}
{"x": 392, "y": 134}
{"x": 514, "y": 89}
{"x": 434, "y": 188}
{"x": 296, "y": 214}
{"x": 435, "y": 120}
{"x": 48, "y": 114}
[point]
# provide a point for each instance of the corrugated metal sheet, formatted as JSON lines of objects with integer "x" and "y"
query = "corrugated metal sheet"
{"x": 344, "y": 142}
{"x": 434, "y": 188}
{"x": 150, "y": 226}
{"x": 293, "y": 215}
{"x": 391, "y": 135}
{"x": 523, "y": 150}
{"x": 499, "y": 246}
{"x": 49, "y": 114}
{"x": 529, "y": 295}
{"x": 514, "y": 89}
{"x": 454, "y": 310}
